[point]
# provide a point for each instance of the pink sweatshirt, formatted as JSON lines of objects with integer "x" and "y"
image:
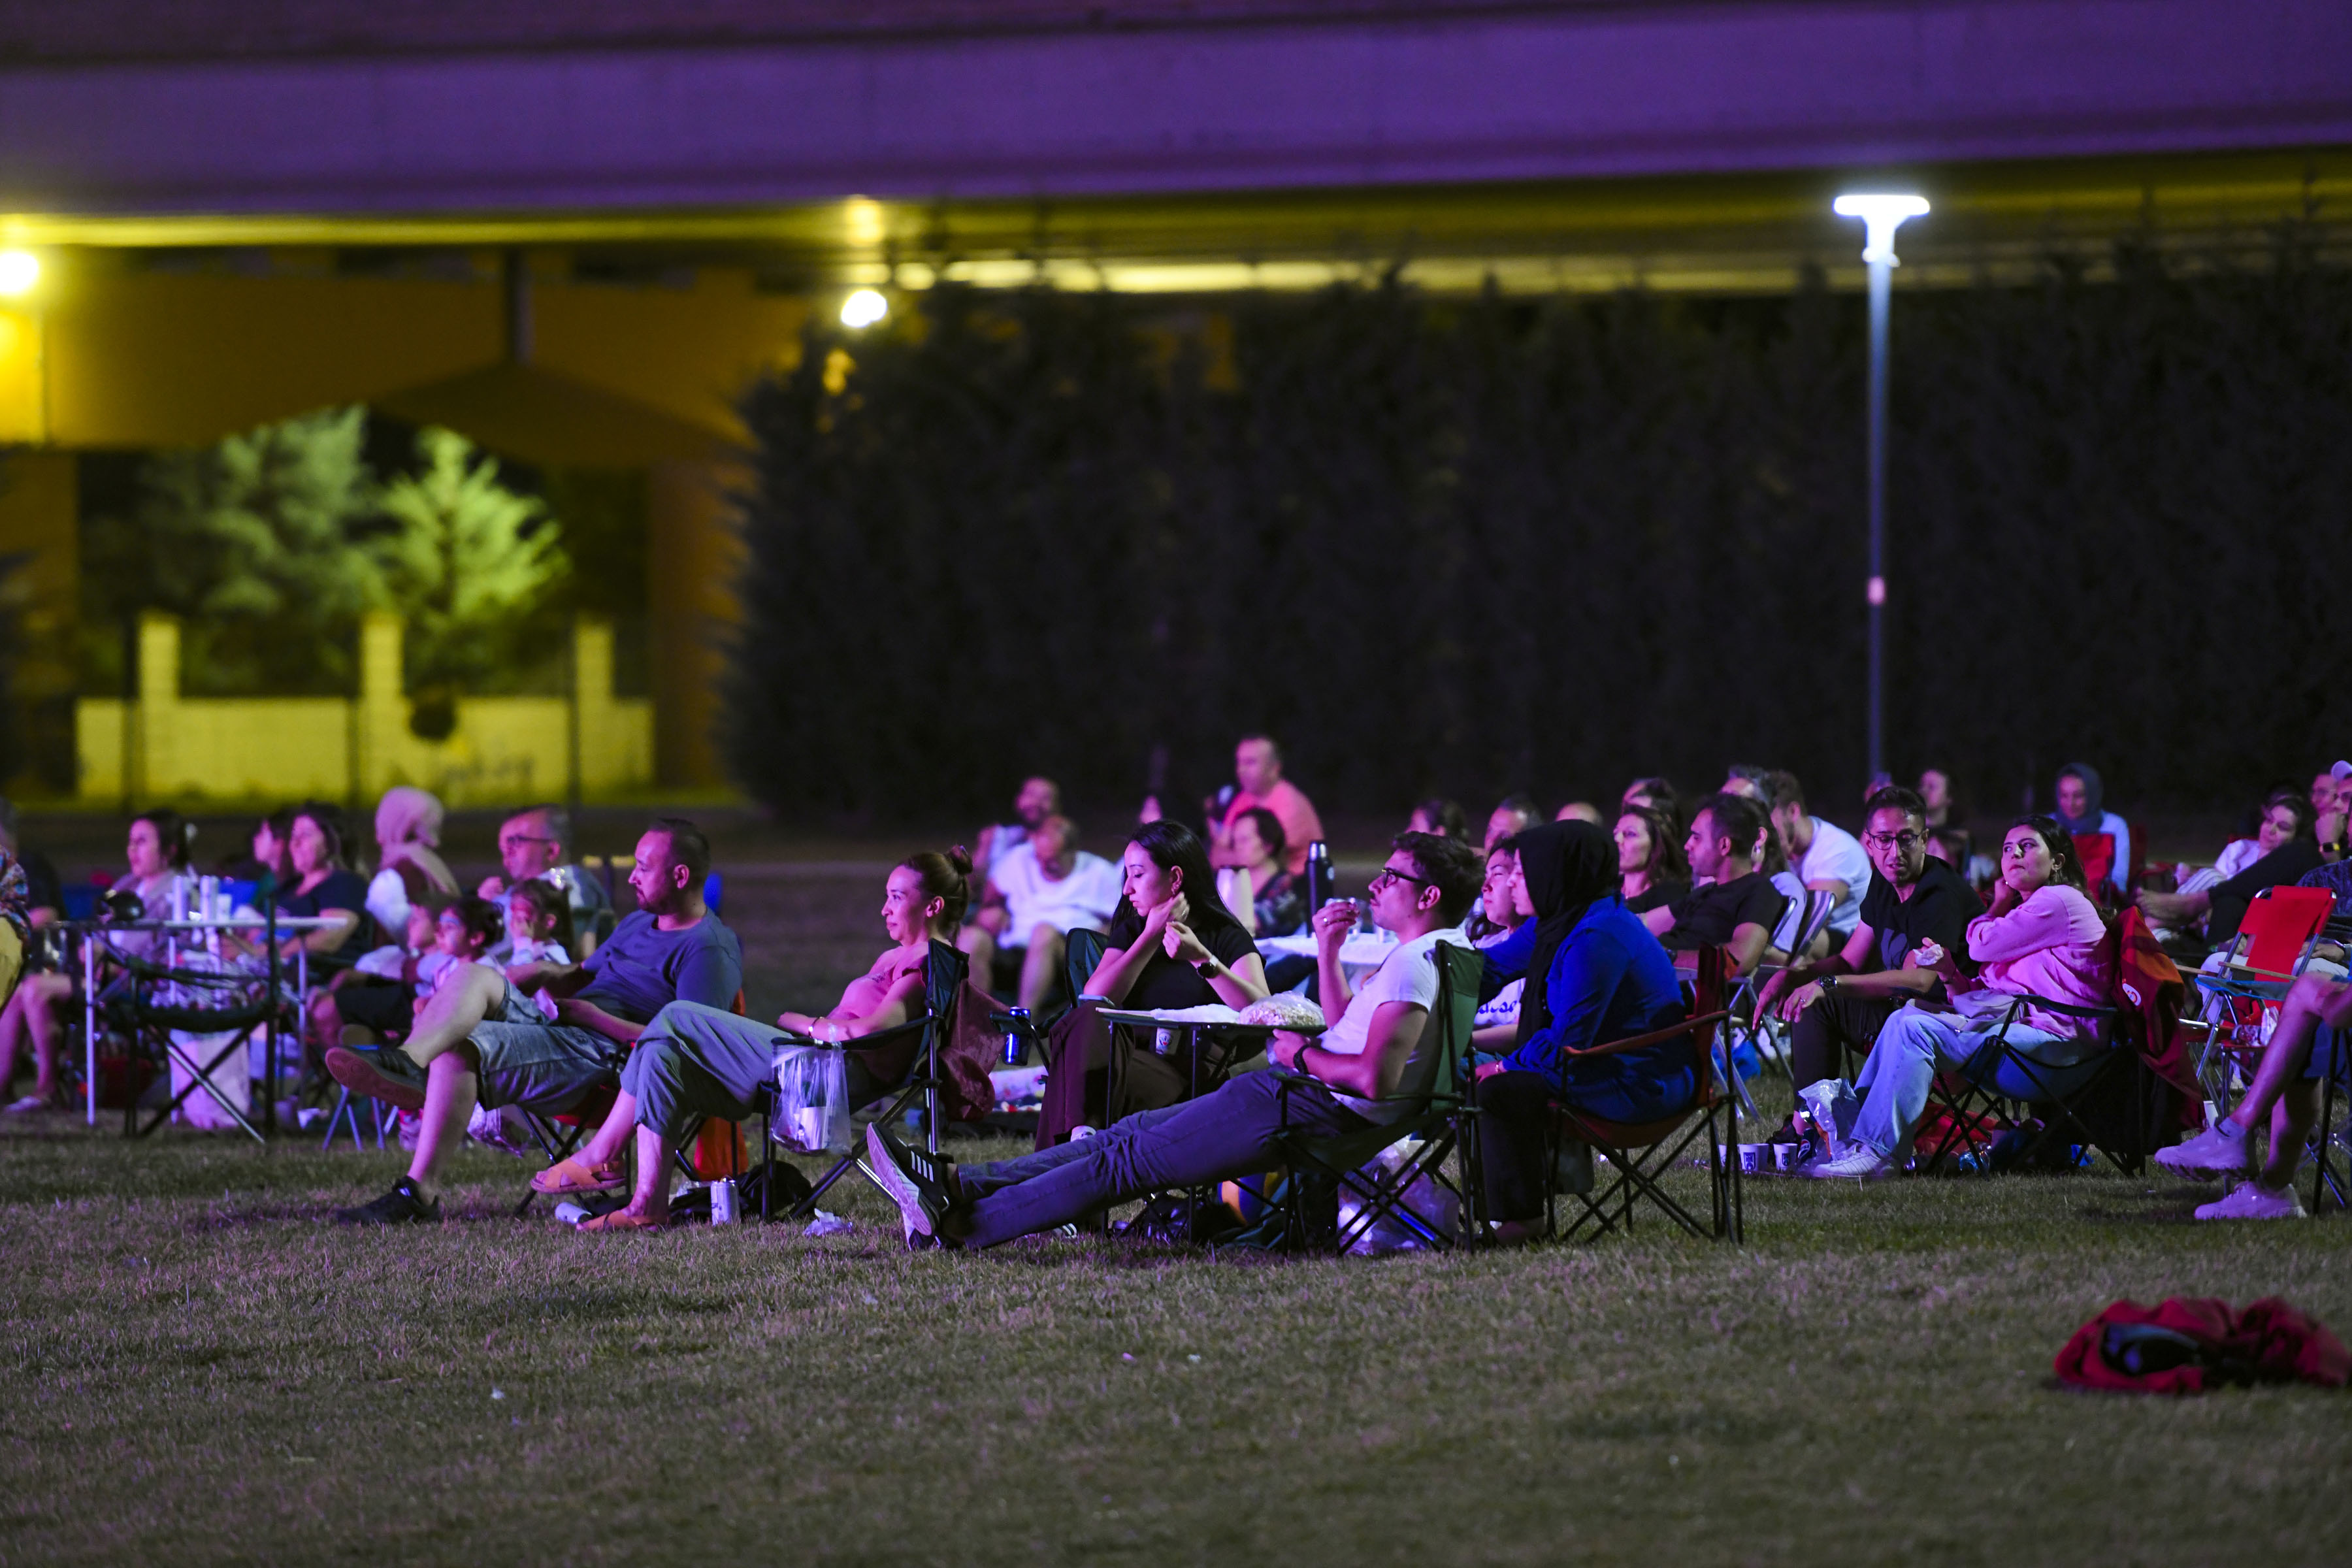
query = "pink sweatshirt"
{"x": 2048, "y": 946}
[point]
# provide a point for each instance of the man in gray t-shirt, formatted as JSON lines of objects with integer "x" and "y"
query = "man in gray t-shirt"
{"x": 480, "y": 1039}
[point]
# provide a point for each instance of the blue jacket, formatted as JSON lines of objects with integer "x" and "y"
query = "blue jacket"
{"x": 1609, "y": 981}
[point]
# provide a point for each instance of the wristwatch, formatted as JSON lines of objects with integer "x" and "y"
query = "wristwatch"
{"x": 1827, "y": 983}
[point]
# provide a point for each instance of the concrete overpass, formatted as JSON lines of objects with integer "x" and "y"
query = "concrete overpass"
{"x": 247, "y": 208}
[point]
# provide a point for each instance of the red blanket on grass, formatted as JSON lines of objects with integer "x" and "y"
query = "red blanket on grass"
{"x": 2269, "y": 1342}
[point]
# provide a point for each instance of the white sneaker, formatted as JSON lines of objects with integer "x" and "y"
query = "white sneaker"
{"x": 2213, "y": 1152}
{"x": 31, "y": 1102}
{"x": 1858, "y": 1162}
{"x": 2251, "y": 1200}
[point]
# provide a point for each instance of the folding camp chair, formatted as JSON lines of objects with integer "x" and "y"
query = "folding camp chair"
{"x": 246, "y": 1003}
{"x": 558, "y": 1133}
{"x": 2325, "y": 1148}
{"x": 943, "y": 979}
{"x": 2274, "y": 946}
{"x": 1082, "y": 952}
{"x": 1432, "y": 1105}
{"x": 1639, "y": 1154}
{"x": 1979, "y": 1109}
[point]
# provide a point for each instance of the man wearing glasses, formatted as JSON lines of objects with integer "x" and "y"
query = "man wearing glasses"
{"x": 1350, "y": 1074}
{"x": 537, "y": 844}
{"x": 1840, "y": 1002}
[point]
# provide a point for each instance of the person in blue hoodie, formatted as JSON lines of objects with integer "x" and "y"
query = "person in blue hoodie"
{"x": 1594, "y": 974}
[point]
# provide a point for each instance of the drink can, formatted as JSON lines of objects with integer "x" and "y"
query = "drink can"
{"x": 1016, "y": 1040}
{"x": 723, "y": 1201}
{"x": 1163, "y": 1042}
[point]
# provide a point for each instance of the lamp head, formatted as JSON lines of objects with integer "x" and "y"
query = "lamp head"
{"x": 863, "y": 308}
{"x": 19, "y": 271}
{"x": 1882, "y": 214}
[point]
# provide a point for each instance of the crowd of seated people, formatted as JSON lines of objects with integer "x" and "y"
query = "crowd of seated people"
{"x": 1034, "y": 894}
{"x": 497, "y": 998}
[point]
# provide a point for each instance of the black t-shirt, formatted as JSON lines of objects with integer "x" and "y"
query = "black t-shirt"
{"x": 1164, "y": 983}
{"x": 1659, "y": 895}
{"x": 2281, "y": 867}
{"x": 1939, "y": 909}
{"x": 1705, "y": 917}
{"x": 339, "y": 889}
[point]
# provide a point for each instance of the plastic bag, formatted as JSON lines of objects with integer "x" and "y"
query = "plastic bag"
{"x": 201, "y": 1108}
{"x": 811, "y": 1100}
{"x": 1427, "y": 1205}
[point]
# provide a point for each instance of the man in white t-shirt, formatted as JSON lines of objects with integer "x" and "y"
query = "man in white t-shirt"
{"x": 1337, "y": 1083}
{"x": 1825, "y": 857}
{"x": 1047, "y": 887}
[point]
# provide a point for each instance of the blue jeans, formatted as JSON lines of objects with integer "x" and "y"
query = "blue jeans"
{"x": 1229, "y": 1132}
{"x": 1894, "y": 1081}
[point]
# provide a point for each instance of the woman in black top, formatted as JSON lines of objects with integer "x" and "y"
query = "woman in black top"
{"x": 1651, "y": 872}
{"x": 1168, "y": 949}
{"x": 323, "y": 884}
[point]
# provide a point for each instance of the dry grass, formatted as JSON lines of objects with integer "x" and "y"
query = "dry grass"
{"x": 200, "y": 1367}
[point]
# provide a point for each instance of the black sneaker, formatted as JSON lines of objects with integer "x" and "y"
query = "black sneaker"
{"x": 914, "y": 1180}
{"x": 402, "y": 1205}
{"x": 387, "y": 1073}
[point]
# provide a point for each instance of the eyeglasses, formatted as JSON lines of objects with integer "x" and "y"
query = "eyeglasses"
{"x": 1906, "y": 839}
{"x": 1388, "y": 874}
{"x": 509, "y": 840}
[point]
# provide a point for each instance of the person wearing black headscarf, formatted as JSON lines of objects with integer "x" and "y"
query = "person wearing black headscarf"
{"x": 1594, "y": 974}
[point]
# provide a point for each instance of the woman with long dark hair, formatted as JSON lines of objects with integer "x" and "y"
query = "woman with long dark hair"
{"x": 1172, "y": 945}
{"x": 2041, "y": 940}
{"x": 1651, "y": 870}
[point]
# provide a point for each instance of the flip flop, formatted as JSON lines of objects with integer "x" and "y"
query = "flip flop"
{"x": 569, "y": 1176}
{"x": 622, "y": 1219}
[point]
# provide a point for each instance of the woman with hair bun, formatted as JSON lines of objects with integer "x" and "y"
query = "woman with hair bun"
{"x": 694, "y": 1061}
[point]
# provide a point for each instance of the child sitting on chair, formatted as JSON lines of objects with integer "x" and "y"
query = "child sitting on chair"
{"x": 538, "y": 923}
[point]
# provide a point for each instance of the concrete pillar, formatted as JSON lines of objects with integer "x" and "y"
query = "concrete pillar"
{"x": 155, "y": 767}
{"x": 381, "y": 726}
{"x": 694, "y": 559}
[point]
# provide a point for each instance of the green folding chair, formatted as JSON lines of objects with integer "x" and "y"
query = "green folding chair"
{"x": 1433, "y": 1102}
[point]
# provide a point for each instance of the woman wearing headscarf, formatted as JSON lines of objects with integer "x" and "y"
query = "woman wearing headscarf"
{"x": 2082, "y": 808}
{"x": 1594, "y": 974}
{"x": 408, "y": 856}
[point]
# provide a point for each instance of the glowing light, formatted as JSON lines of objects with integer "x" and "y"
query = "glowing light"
{"x": 864, "y": 309}
{"x": 19, "y": 271}
{"x": 1882, "y": 214}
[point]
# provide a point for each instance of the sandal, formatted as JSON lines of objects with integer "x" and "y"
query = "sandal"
{"x": 622, "y": 1219}
{"x": 569, "y": 1176}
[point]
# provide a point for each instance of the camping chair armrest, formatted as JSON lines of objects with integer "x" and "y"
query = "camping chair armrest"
{"x": 2071, "y": 1009}
{"x": 1654, "y": 1037}
{"x": 1287, "y": 1078}
{"x": 855, "y": 1042}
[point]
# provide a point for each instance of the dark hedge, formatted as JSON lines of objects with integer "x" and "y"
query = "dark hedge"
{"x": 1476, "y": 546}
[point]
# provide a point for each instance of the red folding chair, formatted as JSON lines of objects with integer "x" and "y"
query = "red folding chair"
{"x": 2097, "y": 853}
{"x": 2273, "y": 945}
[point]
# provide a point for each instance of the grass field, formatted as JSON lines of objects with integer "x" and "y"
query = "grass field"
{"x": 200, "y": 1367}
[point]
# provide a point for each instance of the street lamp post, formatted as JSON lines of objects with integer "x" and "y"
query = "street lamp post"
{"x": 1880, "y": 214}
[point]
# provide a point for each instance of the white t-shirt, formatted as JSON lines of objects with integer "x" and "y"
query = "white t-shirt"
{"x": 1085, "y": 898}
{"x": 1407, "y": 974}
{"x": 1836, "y": 855}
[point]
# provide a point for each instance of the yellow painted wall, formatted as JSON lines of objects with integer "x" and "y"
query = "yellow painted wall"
{"x": 108, "y": 354}
{"x": 140, "y": 358}
{"x": 503, "y": 750}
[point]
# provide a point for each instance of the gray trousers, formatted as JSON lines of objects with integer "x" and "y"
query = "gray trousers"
{"x": 1229, "y": 1132}
{"x": 694, "y": 1061}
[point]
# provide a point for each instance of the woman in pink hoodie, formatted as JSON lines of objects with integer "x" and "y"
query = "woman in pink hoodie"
{"x": 2042, "y": 940}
